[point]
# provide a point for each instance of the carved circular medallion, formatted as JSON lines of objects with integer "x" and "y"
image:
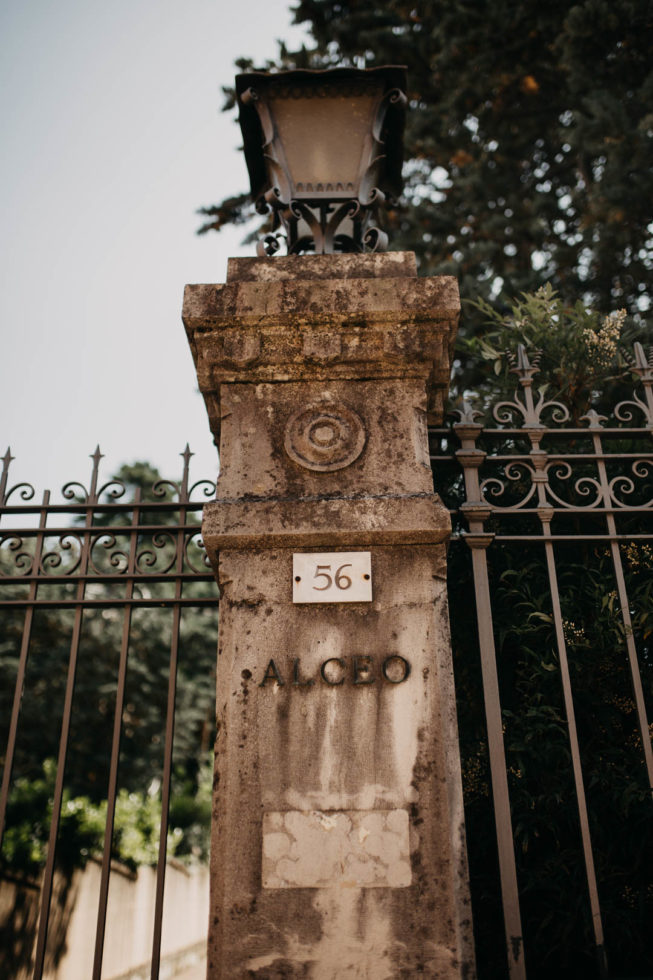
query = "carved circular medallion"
{"x": 324, "y": 436}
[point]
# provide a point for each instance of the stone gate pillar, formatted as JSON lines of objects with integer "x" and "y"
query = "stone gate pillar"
{"x": 338, "y": 845}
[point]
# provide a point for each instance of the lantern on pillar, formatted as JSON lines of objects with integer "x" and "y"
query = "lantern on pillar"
{"x": 324, "y": 151}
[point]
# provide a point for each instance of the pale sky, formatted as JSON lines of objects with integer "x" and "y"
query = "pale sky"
{"x": 112, "y": 137}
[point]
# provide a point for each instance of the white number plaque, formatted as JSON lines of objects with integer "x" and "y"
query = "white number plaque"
{"x": 342, "y": 576}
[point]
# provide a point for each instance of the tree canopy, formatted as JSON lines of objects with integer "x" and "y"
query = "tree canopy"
{"x": 528, "y": 143}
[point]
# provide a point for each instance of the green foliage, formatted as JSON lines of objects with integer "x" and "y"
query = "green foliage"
{"x": 580, "y": 354}
{"x": 29, "y": 811}
{"x": 136, "y": 825}
{"x": 528, "y": 141}
{"x": 190, "y": 813}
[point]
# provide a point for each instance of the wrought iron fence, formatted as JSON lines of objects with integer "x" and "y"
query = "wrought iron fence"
{"x": 535, "y": 499}
{"x": 101, "y": 548}
{"x": 532, "y": 482}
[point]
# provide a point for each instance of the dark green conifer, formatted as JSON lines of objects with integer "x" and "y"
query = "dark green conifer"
{"x": 529, "y": 147}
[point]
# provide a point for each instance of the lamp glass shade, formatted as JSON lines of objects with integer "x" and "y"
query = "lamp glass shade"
{"x": 326, "y": 138}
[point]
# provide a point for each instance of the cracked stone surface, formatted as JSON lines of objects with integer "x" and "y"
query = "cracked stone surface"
{"x": 350, "y": 848}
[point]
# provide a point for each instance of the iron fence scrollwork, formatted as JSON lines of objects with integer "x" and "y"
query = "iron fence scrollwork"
{"x": 101, "y": 547}
{"x": 533, "y": 478}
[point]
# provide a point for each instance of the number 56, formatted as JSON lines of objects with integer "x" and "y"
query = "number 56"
{"x": 342, "y": 581}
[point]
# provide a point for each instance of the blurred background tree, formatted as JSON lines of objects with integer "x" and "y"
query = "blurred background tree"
{"x": 528, "y": 142}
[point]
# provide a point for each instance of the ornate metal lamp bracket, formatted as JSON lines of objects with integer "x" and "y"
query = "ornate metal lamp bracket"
{"x": 317, "y": 222}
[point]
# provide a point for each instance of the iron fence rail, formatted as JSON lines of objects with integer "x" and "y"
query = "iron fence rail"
{"x": 93, "y": 553}
{"x": 505, "y": 486}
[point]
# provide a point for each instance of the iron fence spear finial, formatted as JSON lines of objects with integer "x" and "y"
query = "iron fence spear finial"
{"x": 4, "y": 477}
{"x": 186, "y": 455}
{"x": 96, "y": 457}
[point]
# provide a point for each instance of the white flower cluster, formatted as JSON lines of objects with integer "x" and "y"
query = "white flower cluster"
{"x": 602, "y": 343}
{"x": 574, "y": 635}
{"x": 639, "y": 556}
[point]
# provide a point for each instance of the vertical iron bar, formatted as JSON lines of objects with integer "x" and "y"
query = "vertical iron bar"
{"x": 115, "y": 746}
{"x": 535, "y": 430}
{"x": 539, "y": 459}
{"x": 170, "y": 726}
{"x": 165, "y": 788}
{"x": 48, "y": 876}
{"x": 498, "y": 769}
{"x": 635, "y": 676}
{"x": 22, "y": 665}
{"x": 590, "y": 872}
{"x": 477, "y": 511}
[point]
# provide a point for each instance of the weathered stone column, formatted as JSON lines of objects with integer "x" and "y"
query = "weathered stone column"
{"x": 338, "y": 840}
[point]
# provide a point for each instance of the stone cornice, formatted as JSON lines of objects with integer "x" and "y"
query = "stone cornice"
{"x": 257, "y": 330}
{"x": 405, "y": 519}
{"x": 386, "y": 265}
{"x": 298, "y": 304}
